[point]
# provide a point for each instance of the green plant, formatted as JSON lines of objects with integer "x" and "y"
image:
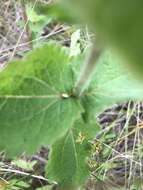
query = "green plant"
{"x": 53, "y": 95}
{"x": 42, "y": 103}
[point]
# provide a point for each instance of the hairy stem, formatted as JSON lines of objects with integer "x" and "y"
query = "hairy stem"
{"x": 87, "y": 71}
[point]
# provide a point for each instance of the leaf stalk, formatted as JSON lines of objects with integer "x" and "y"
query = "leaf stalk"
{"x": 87, "y": 71}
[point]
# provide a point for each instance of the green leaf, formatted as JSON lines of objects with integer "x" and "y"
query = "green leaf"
{"x": 37, "y": 21}
{"x": 16, "y": 184}
{"x": 32, "y": 15}
{"x": 36, "y": 106}
{"x": 111, "y": 83}
{"x": 25, "y": 165}
{"x": 67, "y": 164}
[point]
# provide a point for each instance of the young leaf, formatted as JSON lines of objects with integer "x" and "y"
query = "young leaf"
{"x": 67, "y": 164}
{"x": 36, "y": 106}
{"x": 23, "y": 164}
{"x": 36, "y": 21}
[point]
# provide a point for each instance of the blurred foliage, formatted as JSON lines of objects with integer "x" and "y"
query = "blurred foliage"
{"x": 117, "y": 24}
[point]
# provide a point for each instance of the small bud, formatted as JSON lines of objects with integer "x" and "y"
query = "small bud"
{"x": 64, "y": 95}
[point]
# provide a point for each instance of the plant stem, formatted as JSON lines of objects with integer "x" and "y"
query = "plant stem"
{"x": 87, "y": 71}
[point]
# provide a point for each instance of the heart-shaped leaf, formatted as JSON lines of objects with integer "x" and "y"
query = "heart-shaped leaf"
{"x": 36, "y": 106}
